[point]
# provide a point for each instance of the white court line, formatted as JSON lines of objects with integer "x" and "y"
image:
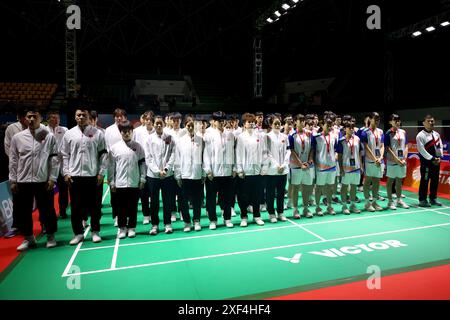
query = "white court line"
{"x": 303, "y": 228}
{"x": 72, "y": 259}
{"x": 78, "y": 248}
{"x": 189, "y": 238}
{"x": 116, "y": 249}
{"x": 106, "y": 193}
{"x": 258, "y": 250}
{"x": 372, "y": 216}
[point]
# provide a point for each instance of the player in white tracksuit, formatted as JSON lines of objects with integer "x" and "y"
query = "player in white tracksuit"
{"x": 112, "y": 135}
{"x": 251, "y": 163}
{"x": 278, "y": 154}
{"x": 188, "y": 173}
{"x": 140, "y": 135}
{"x": 219, "y": 168}
{"x": 126, "y": 176}
{"x": 33, "y": 171}
{"x": 159, "y": 158}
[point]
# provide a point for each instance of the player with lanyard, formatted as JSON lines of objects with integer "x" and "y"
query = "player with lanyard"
{"x": 373, "y": 140}
{"x": 349, "y": 150}
{"x": 301, "y": 166}
{"x": 323, "y": 149}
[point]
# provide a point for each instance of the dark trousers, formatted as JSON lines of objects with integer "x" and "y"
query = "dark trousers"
{"x": 113, "y": 203}
{"x": 191, "y": 189}
{"x": 126, "y": 207}
{"x": 223, "y": 186}
{"x": 63, "y": 197}
{"x": 144, "y": 195}
{"x": 429, "y": 174}
{"x": 176, "y": 196}
{"x": 27, "y": 192}
{"x": 250, "y": 189}
{"x": 155, "y": 185}
{"x": 83, "y": 194}
{"x": 275, "y": 184}
{"x": 263, "y": 190}
{"x": 98, "y": 200}
{"x": 15, "y": 211}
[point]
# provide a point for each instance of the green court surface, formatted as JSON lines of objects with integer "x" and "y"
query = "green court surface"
{"x": 249, "y": 263}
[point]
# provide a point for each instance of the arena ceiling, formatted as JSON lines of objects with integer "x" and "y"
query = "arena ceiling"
{"x": 319, "y": 38}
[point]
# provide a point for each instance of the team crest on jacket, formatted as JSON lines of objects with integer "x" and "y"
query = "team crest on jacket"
{"x": 90, "y": 132}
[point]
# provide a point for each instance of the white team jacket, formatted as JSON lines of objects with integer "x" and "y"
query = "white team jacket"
{"x": 112, "y": 136}
{"x": 84, "y": 153}
{"x": 251, "y": 153}
{"x": 218, "y": 155}
{"x": 278, "y": 153}
{"x": 33, "y": 159}
{"x": 126, "y": 166}
{"x": 141, "y": 135}
{"x": 10, "y": 132}
{"x": 188, "y": 157}
{"x": 429, "y": 141}
{"x": 159, "y": 154}
{"x": 58, "y": 132}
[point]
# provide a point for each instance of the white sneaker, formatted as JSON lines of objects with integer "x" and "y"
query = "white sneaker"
{"x": 146, "y": 220}
{"x": 273, "y": 218}
{"x": 394, "y": 196}
{"x": 229, "y": 224}
{"x": 376, "y": 206}
{"x": 233, "y": 213}
{"x": 262, "y": 208}
{"x": 28, "y": 243}
{"x": 354, "y": 209}
{"x": 212, "y": 225}
{"x": 51, "y": 242}
{"x": 154, "y": 230}
{"x": 259, "y": 221}
{"x": 173, "y": 218}
{"x": 197, "y": 226}
{"x": 282, "y": 217}
{"x": 187, "y": 227}
{"x": 296, "y": 214}
{"x": 368, "y": 207}
{"x": 345, "y": 210}
{"x": 244, "y": 222}
{"x": 250, "y": 209}
{"x": 168, "y": 228}
{"x": 307, "y": 213}
{"x": 122, "y": 233}
{"x": 331, "y": 211}
{"x": 319, "y": 211}
{"x": 400, "y": 203}
{"x": 116, "y": 222}
{"x": 96, "y": 237}
{"x": 391, "y": 205}
{"x": 76, "y": 239}
{"x": 131, "y": 233}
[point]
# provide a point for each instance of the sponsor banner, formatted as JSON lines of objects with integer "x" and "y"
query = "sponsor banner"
{"x": 6, "y": 208}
